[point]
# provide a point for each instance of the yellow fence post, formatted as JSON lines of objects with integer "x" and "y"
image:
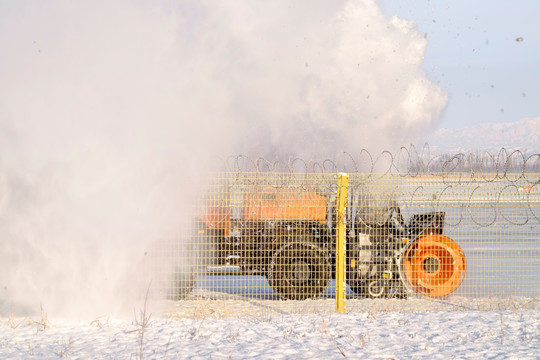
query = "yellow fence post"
{"x": 341, "y": 211}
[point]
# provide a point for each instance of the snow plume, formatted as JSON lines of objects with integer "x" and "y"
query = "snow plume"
{"x": 111, "y": 112}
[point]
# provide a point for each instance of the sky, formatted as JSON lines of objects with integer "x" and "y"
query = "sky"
{"x": 484, "y": 54}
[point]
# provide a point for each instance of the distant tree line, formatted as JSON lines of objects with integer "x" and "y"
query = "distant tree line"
{"x": 503, "y": 162}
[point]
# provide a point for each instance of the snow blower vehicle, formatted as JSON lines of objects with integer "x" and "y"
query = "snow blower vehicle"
{"x": 288, "y": 235}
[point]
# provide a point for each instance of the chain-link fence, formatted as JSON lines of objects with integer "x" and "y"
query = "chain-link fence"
{"x": 266, "y": 241}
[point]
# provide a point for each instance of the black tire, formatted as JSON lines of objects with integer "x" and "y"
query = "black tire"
{"x": 299, "y": 271}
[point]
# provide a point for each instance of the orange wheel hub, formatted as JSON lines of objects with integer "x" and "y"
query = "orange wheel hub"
{"x": 434, "y": 265}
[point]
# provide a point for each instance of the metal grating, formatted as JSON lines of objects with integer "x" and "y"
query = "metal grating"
{"x": 264, "y": 243}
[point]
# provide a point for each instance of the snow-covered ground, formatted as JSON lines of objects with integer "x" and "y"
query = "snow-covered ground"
{"x": 495, "y": 314}
{"x": 494, "y": 334}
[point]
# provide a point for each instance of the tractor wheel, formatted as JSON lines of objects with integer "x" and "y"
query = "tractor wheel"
{"x": 299, "y": 271}
{"x": 433, "y": 265}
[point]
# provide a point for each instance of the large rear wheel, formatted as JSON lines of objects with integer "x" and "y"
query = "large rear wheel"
{"x": 299, "y": 271}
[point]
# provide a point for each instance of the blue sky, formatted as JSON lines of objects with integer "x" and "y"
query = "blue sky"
{"x": 473, "y": 54}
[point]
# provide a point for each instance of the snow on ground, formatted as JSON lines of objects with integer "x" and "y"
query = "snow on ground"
{"x": 466, "y": 334}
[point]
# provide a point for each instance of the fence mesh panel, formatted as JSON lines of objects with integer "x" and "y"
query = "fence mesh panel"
{"x": 264, "y": 243}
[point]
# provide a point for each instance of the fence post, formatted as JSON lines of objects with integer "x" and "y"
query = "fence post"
{"x": 341, "y": 211}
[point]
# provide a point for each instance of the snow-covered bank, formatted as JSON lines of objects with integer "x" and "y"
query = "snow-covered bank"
{"x": 393, "y": 335}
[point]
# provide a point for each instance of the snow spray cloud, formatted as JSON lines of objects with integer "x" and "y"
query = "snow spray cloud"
{"x": 110, "y": 113}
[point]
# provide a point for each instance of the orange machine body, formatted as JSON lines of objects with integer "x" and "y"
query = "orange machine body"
{"x": 284, "y": 204}
{"x": 264, "y": 204}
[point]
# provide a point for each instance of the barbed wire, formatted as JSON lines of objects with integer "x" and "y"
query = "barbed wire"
{"x": 482, "y": 187}
{"x": 409, "y": 161}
